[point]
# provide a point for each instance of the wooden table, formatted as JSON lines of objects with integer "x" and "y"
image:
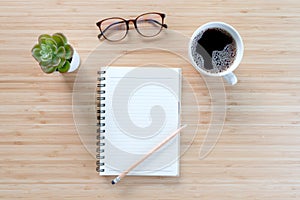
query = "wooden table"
{"x": 257, "y": 155}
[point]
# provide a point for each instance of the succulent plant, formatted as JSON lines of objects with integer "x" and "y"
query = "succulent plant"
{"x": 53, "y": 53}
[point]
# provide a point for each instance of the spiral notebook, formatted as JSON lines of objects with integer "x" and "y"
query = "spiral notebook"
{"x": 137, "y": 108}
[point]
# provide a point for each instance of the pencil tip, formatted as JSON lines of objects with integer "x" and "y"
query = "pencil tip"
{"x": 116, "y": 180}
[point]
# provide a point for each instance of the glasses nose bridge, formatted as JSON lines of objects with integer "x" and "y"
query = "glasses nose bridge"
{"x": 132, "y": 21}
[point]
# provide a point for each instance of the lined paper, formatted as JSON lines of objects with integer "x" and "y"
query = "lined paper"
{"x": 142, "y": 108}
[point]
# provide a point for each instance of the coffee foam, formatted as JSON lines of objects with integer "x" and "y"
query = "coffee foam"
{"x": 196, "y": 56}
{"x": 222, "y": 60}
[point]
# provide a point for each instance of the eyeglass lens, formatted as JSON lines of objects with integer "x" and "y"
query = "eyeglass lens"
{"x": 149, "y": 24}
{"x": 114, "y": 29}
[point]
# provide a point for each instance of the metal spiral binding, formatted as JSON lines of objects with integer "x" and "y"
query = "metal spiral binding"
{"x": 100, "y": 121}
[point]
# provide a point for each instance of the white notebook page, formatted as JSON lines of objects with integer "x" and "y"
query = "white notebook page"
{"x": 142, "y": 108}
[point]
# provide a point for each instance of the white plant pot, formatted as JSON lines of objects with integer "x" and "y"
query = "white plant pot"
{"x": 75, "y": 63}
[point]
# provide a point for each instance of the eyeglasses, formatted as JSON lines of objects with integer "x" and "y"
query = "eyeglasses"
{"x": 116, "y": 28}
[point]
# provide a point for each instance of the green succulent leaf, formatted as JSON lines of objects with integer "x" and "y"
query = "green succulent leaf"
{"x": 63, "y": 37}
{"x": 45, "y": 63}
{"x": 53, "y": 48}
{"x": 55, "y": 62}
{"x": 37, "y": 46}
{"x": 61, "y": 63}
{"x": 36, "y": 53}
{"x": 69, "y": 51}
{"x": 50, "y": 42}
{"x": 43, "y": 37}
{"x": 61, "y": 52}
{"x": 48, "y": 69}
{"x": 65, "y": 67}
{"x": 58, "y": 39}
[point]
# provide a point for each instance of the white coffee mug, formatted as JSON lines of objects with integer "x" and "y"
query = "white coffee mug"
{"x": 228, "y": 74}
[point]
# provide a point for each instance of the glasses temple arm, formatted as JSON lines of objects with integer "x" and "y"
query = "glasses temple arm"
{"x": 157, "y": 22}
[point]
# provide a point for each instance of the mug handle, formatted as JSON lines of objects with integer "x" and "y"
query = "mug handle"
{"x": 231, "y": 78}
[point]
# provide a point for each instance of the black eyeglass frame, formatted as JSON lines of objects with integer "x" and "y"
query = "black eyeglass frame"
{"x": 134, "y": 21}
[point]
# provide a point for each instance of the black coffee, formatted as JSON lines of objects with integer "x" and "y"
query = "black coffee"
{"x": 216, "y": 50}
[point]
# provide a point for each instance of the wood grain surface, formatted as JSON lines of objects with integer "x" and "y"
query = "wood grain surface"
{"x": 257, "y": 155}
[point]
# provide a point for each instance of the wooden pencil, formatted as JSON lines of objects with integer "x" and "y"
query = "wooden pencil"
{"x": 124, "y": 173}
